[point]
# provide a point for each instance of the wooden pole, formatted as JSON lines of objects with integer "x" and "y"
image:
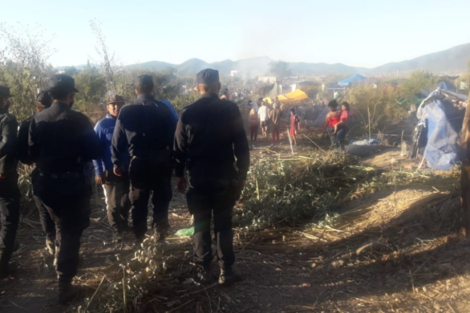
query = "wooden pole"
{"x": 465, "y": 172}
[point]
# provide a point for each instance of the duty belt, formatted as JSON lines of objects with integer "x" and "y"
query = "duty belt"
{"x": 61, "y": 175}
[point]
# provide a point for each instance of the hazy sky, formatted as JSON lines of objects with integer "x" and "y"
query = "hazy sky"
{"x": 355, "y": 32}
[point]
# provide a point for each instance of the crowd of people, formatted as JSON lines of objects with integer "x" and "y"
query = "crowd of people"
{"x": 270, "y": 119}
{"x": 135, "y": 148}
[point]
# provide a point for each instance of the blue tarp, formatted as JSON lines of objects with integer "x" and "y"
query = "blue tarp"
{"x": 356, "y": 78}
{"x": 445, "y": 86}
{"x": 441, "y": 149}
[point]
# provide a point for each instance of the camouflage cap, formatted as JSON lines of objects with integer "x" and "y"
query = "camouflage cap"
{"x": 5, "y": 92}
{"x": 114, "y": 99}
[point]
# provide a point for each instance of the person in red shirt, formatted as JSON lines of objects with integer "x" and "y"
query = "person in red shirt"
{"x": 341, "y": 128}
{"x": 332, "y": 119}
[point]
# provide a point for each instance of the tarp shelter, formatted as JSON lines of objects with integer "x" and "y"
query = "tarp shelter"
{"x": 355, "y": 79}
{"x": 445, "y": 86}
{"x": 291, "y": 97}
{"x": 438, "y": 130}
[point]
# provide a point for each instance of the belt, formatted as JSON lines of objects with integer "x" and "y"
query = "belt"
{"x": 61, "y": 175}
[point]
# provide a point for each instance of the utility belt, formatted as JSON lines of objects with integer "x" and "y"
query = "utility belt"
{"x": 74, "y": 174}
{"x": 162, "y": 154}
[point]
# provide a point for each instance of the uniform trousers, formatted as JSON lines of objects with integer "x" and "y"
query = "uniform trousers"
{"x": 9, "y": 215}
{"x": 47, "y": 224}
{"x": 67, "y": 199}
{"x": 212, "y": 199}
{"x": 150, "y": 177}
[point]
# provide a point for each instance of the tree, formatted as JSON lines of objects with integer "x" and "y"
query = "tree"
{"x": 417, "y": 81}
{"x": 280, "y": 69}
{"x": 24, "y": 67}
{"x": 91, "y": 84}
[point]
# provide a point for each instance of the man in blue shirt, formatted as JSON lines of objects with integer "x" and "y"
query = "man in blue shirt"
{"x": 116, "y": 188}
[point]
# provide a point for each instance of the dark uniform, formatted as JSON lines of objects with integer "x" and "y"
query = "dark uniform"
{"x": 145, "y": 128}
{"x": 48, "y": 227}
{"x": 210, "y": 142}
{"x": 9, "y": 192}
{"x": 61, "y": 142}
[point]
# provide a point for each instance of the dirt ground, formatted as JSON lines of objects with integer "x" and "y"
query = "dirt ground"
{"x": 397, "y": 250}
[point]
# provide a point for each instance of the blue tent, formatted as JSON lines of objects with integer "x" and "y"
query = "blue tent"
{"x": 445, "y": 86}
{"x": 356, "y": 78}
{"x": 444, "y": 122}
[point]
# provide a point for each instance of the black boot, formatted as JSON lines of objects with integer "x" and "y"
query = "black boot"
{"x": 228, "y": 276}
{"x": 160, "y": 236}
{"x": 66, "y": 292}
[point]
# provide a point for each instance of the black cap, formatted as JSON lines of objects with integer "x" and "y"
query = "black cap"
{"x": 44, "y": 98}
{"x": 144, "y": 80}
{"x": 62, "y": 82}
{"x": 207, "y": 77}
{"x": 5, "y": 92}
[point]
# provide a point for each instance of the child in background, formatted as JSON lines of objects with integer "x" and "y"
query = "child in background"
{"x": 254, "y": 124}
{"x": 294, "y": 125}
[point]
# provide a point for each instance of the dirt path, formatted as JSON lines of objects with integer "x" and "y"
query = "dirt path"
{"x": 418, "y": 263}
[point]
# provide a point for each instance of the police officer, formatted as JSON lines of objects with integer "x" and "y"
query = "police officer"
{"x": 61, "y": 142}
{"x": 145, "y": 129}
{"x": 116, "y": 188}
{"x": 9, "y": 192}
{"x": 43, "y": 101}
{"x": 210, "y": 142}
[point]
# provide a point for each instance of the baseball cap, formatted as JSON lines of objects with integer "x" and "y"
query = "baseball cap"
{"x": 5, "y": 91}
{"x": 207, "y": 77}
{"x": 62, "y": 82}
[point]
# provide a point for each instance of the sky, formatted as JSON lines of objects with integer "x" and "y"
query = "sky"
{"x": 365, "y": 33}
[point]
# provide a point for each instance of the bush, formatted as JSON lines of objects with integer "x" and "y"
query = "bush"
{"x": 296, "y": 192}
{"x": 376, "y": 107}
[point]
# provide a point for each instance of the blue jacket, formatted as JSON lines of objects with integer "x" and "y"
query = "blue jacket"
{"x": 172, "y": 109}
{"x": 105, "y": 129}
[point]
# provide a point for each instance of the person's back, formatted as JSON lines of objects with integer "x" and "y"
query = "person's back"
{"x": 148, "y": 126}
{"x": 211, "y": 124}
{"x": 275, "y": 116}
{"x": 146, "y": 129}
{"x": 209, "y": 136}
{"x": 62, "y": 140}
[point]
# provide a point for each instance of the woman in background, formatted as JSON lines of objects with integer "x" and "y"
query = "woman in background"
{"x": 332, "y": 119}
{"x": 341, "y": 129}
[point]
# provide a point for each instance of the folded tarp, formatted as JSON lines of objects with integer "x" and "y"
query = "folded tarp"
{"x": 294, "y": 96}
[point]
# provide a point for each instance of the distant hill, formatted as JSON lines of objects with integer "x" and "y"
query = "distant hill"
{"x": 453, "y": 60}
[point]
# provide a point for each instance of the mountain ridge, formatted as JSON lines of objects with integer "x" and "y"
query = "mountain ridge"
{"x": 452, "y": 60}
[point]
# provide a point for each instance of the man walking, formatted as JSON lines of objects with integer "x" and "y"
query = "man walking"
{"x": 116, "y": 188}
{"x": 9, "y": 192}
{"x": 263, "y": 116}
{"x": 43, "y": 101}
{"x": 210, "y": 142}
{"x": 145, "y": 130}
{"x": 61, "y": 142}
